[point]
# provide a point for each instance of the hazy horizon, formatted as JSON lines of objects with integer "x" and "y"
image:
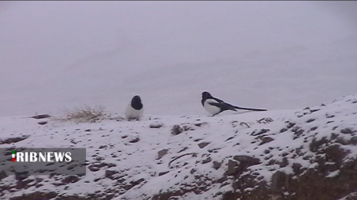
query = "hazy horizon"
{"x": 276, "y": 55}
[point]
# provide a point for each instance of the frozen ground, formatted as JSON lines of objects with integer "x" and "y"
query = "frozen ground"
{"x": 136, "y": 160}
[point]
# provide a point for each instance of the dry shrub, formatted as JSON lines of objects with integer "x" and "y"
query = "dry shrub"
{"x": 83, "y": 114}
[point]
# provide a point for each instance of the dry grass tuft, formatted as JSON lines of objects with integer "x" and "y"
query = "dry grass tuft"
{"x": 83, "y": 114}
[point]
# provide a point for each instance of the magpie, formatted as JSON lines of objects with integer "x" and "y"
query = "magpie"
{"x": 135, "y": 109}
{"x": 215, "y": 106}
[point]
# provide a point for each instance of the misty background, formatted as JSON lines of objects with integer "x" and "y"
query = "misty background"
{"x": 274, "y": 55}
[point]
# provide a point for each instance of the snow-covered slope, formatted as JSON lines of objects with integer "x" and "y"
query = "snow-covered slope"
{"x": 191, "y": 157}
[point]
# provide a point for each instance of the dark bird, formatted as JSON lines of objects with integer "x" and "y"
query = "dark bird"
{"x": 215, "y": 106}
{"x": 135, "y": 109}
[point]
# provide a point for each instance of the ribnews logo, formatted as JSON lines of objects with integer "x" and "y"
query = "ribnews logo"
{"x": 43, "y": 161}
{"x": 41, "y": 156}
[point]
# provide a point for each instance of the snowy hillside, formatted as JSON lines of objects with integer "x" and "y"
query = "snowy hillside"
{"x": 301, "y": 154}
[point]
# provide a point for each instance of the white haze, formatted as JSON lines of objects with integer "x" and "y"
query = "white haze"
{"x": 275, "y": 55}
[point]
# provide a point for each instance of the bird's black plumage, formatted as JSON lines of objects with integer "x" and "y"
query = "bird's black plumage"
{"x": 135, "y": 109}
{"x": 207, "y": 95}
{"x": 136, "y": 102}
{"x": 219, "y": 105}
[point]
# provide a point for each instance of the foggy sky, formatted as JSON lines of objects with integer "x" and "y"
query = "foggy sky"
{"x": 47, "y": 43}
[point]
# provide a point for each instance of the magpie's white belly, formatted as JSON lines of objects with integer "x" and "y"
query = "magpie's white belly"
{"x": 131, "y": 113}
{"x": 211, "y": 109}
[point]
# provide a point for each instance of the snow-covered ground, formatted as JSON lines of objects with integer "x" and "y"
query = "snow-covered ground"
{"x": 124, "y": 160}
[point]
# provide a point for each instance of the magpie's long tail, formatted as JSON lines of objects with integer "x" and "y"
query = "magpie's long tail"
{"x": 252, "y": 109}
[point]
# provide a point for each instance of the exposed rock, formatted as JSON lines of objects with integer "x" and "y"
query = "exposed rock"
{"x": 265, "y": 120}
{"x": 14, "y": 139}
{"x": 229, "y": 138}
{"x": 203, "y": 144}
{"x": 180, "y": 156}
{"x": 163, "y": 173}
{"x": 284, "y": 163}
{"x": 346, "y": 141}
{"x": 136, "y": 182}
{"x": 232, "y": 167}
{"x": 289, "y": 124}
{"x": 156, "y": 125}
{"x": 314, "y": 110}
{"x": 353, "y": 140}
{"x": 176, "y": 129}
{"x": 247, "y": 160}
{"x": 283, "y": 130}
{"x": 216, "y": 165}
{"x": 262, "y": 131}
{"x": 278, "y": 181}
{"x": 213, "y": 150}
{"x": 335, "y": 153}
{"x": 94, "y": 167}
{"x": 313, "y": 128}
{"x": 329, "y": 115}
{"x": 297, "y": 168}
{"x": 183, "y": 149}
{"x": 70, "y": 179}
{"x": 298, "y": 131}
{"x": 316, "y": 144}
{"x": 24, "y": 184}
{"x": 199, "y": 124}
{"x": 109, "y": 174}
{"x": 206, "y": 160}
{"x": 193, "y": 170}
{"x": 310, "y": 120}
{"x": 265, "y": 140}
{"x": 36, "y": 196}
{"x": 134, "y": 139}
{"x": 347, "y": 131}
{"x": 42, "y": 122}
{"x": 21, "y": 175}
{"x": 42, "y": 116}
{"x": 244, "y": 124}
{"x": 2, "y": 175}
{"x": 187, "y": 128}
{"x": 235, "y": 168}
{"x": 161, "y": 153}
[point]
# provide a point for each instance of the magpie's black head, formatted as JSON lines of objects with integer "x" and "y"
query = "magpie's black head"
{"x": 136, "y": 102}
{"x": 206, "y": 95}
